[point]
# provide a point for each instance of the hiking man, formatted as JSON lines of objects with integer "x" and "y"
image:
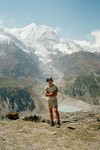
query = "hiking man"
{"x": 51, "y": 92}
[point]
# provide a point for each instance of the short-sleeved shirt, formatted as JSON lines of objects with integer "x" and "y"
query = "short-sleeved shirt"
{"x": 52, "y": 89}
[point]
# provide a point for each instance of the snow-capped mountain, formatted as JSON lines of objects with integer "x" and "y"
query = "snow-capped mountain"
{"x": 6, "y": 38}
{"x": 45, "y": 40}
{"x": 42, "y": 41}
{"x": 33, "y": 32}
{"x": 45, "y": 36}
{"x": 37, "y": 52}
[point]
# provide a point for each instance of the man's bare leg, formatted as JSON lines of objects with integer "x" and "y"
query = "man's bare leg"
{"x": 57, "y": 116}
{"x": 51, "y": 114}
{"x": 51, "y": 117}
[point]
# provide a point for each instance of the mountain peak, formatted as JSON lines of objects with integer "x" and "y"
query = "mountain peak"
{"x": 32, "y": 25}
{"x": 43, "y": 39}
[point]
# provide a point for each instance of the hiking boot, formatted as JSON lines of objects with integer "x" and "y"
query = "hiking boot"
{"x": 58, "y": 124}
{"x": 52, "y": 124}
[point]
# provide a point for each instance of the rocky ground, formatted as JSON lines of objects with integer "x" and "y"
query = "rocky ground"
{"x": 79, "y": 131}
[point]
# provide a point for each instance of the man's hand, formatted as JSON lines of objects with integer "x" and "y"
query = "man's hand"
{"x": 54, "y": 94}
{"x": 48, "y": 94}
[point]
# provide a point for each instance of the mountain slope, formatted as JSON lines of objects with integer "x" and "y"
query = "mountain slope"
{"x": 19, "y": 94}
{"x": 77, "y": 63}
{"x": 36, "y": 52}
{"x": 13, "y": 61}
{"x": 19, "y": 69}
{"x": 84, "y": 87}
{"x": 44, "y": 42}
{"x": 6, "y": 37}
{"x": 81, "y": 72}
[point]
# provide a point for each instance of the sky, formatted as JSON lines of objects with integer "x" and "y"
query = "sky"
{"x": 76, "y": 19}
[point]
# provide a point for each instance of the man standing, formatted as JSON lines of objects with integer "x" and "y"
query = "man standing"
{"x": 51, "y": 93}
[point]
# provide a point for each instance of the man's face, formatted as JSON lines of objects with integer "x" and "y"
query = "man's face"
{"x": 49, "y": 81}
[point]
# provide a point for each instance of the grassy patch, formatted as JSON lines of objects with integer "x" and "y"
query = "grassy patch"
{"x": 21, "y": 134}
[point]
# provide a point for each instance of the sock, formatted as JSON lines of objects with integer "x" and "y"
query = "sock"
{"x": 58, "y": 123}
{"x": 52, "y": 122}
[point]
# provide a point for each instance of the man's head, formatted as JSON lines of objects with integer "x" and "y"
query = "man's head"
{"x": 50, "y": 80}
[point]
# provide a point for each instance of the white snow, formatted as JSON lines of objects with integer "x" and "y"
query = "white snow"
{"x": 43, "y": 39}
{"x": 4, "y": 39}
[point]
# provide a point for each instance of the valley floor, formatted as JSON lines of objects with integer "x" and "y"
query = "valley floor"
{"x": 27, "y": 135}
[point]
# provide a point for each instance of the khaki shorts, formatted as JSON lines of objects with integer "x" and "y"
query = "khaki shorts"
{"x": 52, "y": 103}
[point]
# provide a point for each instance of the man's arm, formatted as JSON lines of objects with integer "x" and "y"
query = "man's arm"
{"x": 54, "y": 94}
{"x": 48, "y": 94}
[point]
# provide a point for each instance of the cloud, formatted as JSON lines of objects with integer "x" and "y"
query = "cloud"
{"x": 83, "y": 43}
{"x": 93, "y": 40}
{"x": 96, "y": 34}
{"x": 1, "y": 22}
